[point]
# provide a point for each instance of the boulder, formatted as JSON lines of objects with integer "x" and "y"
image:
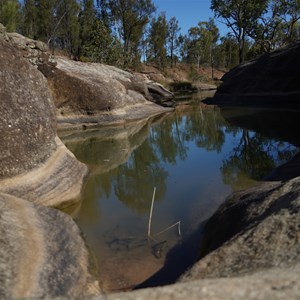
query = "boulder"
{"x": 36, "y": 52}
{"x": 27, "y": 124}
{"x": 160, "y": 94}
{"x": 92, "y": 93}
{"x": 271, "y": 284}
{"x": 42, "y": 253}
{"x": 253, "y": 231}
{"x": 269, "y": 80}
{"x": 34, "y": 164}
{"x": 3, "y": 33}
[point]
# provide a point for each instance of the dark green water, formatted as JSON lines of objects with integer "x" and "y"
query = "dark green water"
{"x": 194, "y": 157}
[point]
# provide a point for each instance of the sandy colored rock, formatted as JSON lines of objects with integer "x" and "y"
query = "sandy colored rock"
{"x": 253, "y": 230}
{"x": 92, "y": 93}
{"x": 42, "y": 253}
{"x": 34, "y": 164}
{"x": 56, "y": 183}
{"x": 27, "y": 124}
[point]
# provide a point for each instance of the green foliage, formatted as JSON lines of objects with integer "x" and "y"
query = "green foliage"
{"x": 120, "y": 32}
{"x": 202, "y": 43}
{"x": 29, "y": 20}
{"x": 240, "y": 16}
{"x": 101, "y": 46}
{"x": 172, "y": 38}
{"x": 130, "y": 18}
{"x": 157, "y": 41}
{"x": 10, "y": 14}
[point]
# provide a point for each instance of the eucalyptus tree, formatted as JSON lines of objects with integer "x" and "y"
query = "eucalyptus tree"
{"x": 67, "y": 29}
{"x": 129, "y": 18}
{"x": 57, "y": 23}
{"x": 172, "y": 39}
{"x": 29, "y": 13}
{"x": 267, "y": 32}
{"x": 229, "y": 49}
{"x": 240, "y": 16}
{"x": 10, "y": 14}
{"x": 87, "y": 18}
{"x": 158, "y": 40}
{"x": 46, "y": 19}
{"x": 203, "y": 39}
{"x": 290, "y": 13}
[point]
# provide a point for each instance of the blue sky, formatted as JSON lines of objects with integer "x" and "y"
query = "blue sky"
{"x": 188, "y": 12}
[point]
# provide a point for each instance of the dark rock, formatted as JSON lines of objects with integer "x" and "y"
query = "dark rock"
{"x": 270, "y": 80}
{"x": 42, "y": 253}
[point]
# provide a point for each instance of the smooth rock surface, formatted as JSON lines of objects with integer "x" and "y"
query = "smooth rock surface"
{"x": 91, "y": 93}
{"x": 34, "y": 164}
{"x": 253, "y": 230}
{"x": 271, "y": 80}
{"x": 272, "y": 284}
{"x": 56, "y": 183}
{"x": 27, "y": 124}
{"x": 42, "y": 253}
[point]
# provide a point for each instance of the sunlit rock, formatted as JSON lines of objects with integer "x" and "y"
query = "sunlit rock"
{"x": 253, "y": 230}
{"x": 42, "y": 253}
{"x": 34, "y": 164}
{"x": 92, "y": 93}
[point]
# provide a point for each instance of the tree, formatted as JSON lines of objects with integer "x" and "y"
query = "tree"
{"x": 10, "y": 14}
{"x": 45, "y": 19}
{"x": 267, "y": 31}
{"x": 203, "y": 39}
{"x": 101, "y": 46}
{"x": 66, "y": 30}
{"x": 173, "y": 32}
{"x": 29, "y": 26}
{"x": 229, "y": 52}
{"x": 158, "y": 39}
{"x": 290, "y": 13}
{"x": 87, "y": 18}
{"x": 130, "y": 17}
{"x": 240, "y": 16}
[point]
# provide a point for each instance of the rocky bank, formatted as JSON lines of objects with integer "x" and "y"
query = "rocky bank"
{"x": 250, "y": 247}
{"x": 89, "y": 94}
{"x": 42, "y": 252}
{"x": 271, "y": 80}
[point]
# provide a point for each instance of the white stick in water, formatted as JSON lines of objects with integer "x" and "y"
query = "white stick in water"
{"x": 151, "y": 210}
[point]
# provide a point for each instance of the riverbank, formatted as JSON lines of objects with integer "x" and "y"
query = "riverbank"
{"x": 257, "y": 247}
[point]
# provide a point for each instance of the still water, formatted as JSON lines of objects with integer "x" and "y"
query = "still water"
{"x": 192, "y": 158}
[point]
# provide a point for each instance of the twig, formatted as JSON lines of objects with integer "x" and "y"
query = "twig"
{"x": 151, "y": 210}
{"x": 179, "y": 232}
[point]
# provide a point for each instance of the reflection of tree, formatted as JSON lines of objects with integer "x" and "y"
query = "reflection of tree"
{"x": 207, "y": 130}
{"x": 135, "y": 180}
{"x": 255, "y": 156}
{"x": 167, "y": 138}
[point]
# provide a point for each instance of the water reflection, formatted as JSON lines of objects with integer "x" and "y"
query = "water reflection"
{"x": 262, "y": 144}
{"x": 194, "y": 157}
